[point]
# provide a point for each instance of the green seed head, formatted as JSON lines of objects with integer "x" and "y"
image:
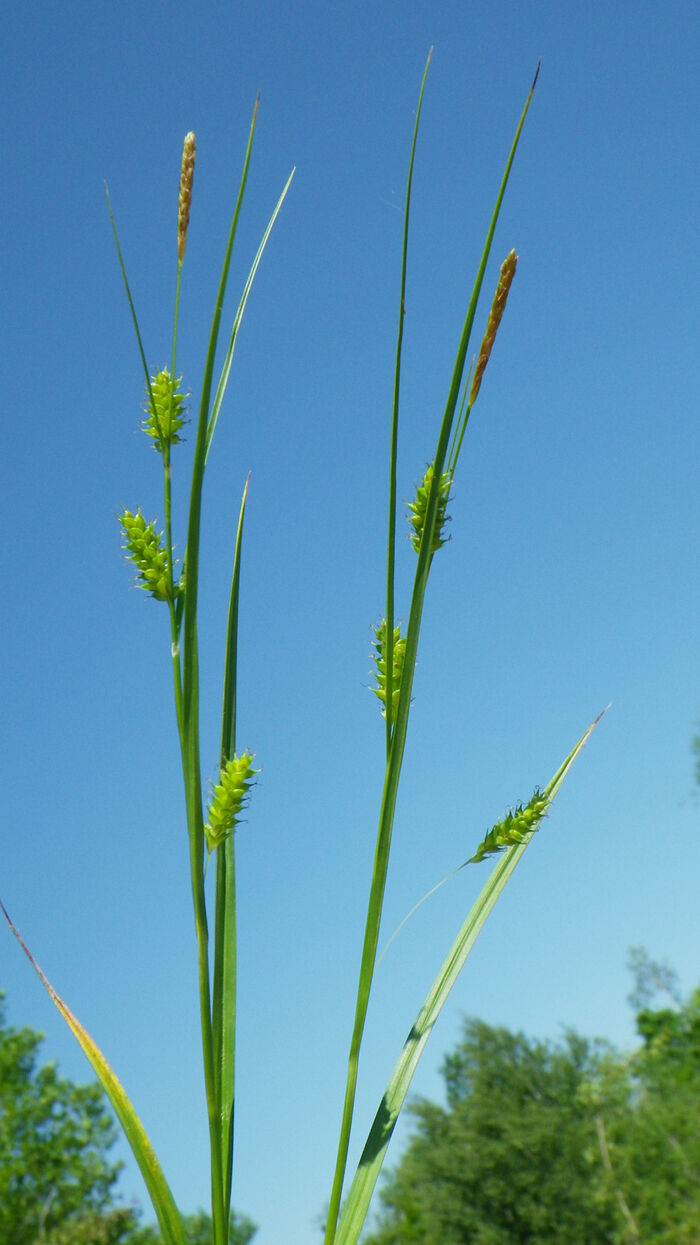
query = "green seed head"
{"x": 379, "y": 657}
{"x": 165, "y": 410}
{"x": 418, "y": 509}
{"x": 516, "y": 827}
{"x": 144, "y": 549}
{"x": 229, "y": 797}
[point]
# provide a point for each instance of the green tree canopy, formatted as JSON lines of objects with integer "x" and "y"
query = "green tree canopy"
{"x": 512, "y": 1158}
{"x": 570, "y": 1143}
{"x": 655, "y": 1139}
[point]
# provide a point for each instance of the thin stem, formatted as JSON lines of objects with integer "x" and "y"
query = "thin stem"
{"x": 607, "y": 1164}
{"x": 196, "y": 839}
{"x": 167, "y": 506}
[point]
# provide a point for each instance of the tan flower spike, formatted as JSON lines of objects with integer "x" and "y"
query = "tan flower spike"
{"x": 498, "y": 306}
{"x": 185, "y": 196}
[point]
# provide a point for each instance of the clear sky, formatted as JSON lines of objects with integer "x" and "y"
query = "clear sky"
{"x": 571, "y": 579}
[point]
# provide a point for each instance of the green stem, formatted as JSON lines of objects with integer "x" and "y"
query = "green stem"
{"x": 196, "y": 840}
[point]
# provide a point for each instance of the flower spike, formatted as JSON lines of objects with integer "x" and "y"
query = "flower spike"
{"x": 185, "y": 196}
{"x": 516, "y": 827}
{"x": 229, "y": 797}
{"x": 144, "y": 549}
{"x": 419, "y": 507}
{"x": 379, "y": 658}
{"x": 164, "y": 410}
{"x": 498, "y": 306}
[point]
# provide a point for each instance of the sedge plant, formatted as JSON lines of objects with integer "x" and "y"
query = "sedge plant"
{"x": 211, "y": 821}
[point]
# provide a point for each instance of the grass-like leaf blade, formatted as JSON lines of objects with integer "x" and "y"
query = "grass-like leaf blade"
{"x": 159, "y": 1192}
{"x": 225, "y": 936}
{"x": 356, "y": 1204}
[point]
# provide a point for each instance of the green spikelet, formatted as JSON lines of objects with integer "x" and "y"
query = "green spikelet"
{"x": 229, "y": 797}
{"x": 516, "y": 827}
{"x": 418, "y": 509}
{"x": 143, "y": 548}
{"x": 379, "y": 659}
{"x": 165, "y": 411}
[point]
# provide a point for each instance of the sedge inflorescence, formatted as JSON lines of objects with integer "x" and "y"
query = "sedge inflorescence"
{"x": 165, "y": 410}
{"x": 418, "y": 509}
{"x": 379, "y": 657}
{"x": 144, "y": 548}
{"x": 229, "y": 797}
{"x": 516, "y": 827}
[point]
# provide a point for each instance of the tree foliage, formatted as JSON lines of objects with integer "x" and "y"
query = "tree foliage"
{"x": 517, "y": 1123}
{"x": 655, "y": 1141}
{"x": 567, "y": 1143}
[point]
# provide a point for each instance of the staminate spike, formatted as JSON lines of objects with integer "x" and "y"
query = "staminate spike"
{"x": 498, "y": 306}
{"x": 185, "y": 196}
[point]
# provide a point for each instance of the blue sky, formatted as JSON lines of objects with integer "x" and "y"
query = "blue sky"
{"x": 570, "y": 580}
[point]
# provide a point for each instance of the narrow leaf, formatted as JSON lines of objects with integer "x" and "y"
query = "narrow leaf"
{"x": 399, "y": 724}
{"x": 225, "y": 936}
{"x": 374, "y": 908}
{"x": 357, "y": 1202}
{"x": 161, "y": 1197}
{"x": 226, "y": 369}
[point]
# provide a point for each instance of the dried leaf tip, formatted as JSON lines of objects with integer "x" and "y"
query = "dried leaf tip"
{"x": 185, "y": 197}
{"x": 495, "y": 315}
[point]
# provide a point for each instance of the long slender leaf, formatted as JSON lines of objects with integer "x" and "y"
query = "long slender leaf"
{"x": 372, "y": 921}
{"x": 400, "y": 728}
{"x": 394, "y": 450}
{"x": 357, "y": 1203}
{"x": 161, "y": 1197}
{"x": 213, "y": 416}
{"x": 226, "y": 369}
{"x": 225, "y": 938}
{"x": 191, "y": 760}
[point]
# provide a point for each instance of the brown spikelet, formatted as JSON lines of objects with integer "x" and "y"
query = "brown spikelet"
{"x": 497, "y": 308}
{"x": 185, "y": 199}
